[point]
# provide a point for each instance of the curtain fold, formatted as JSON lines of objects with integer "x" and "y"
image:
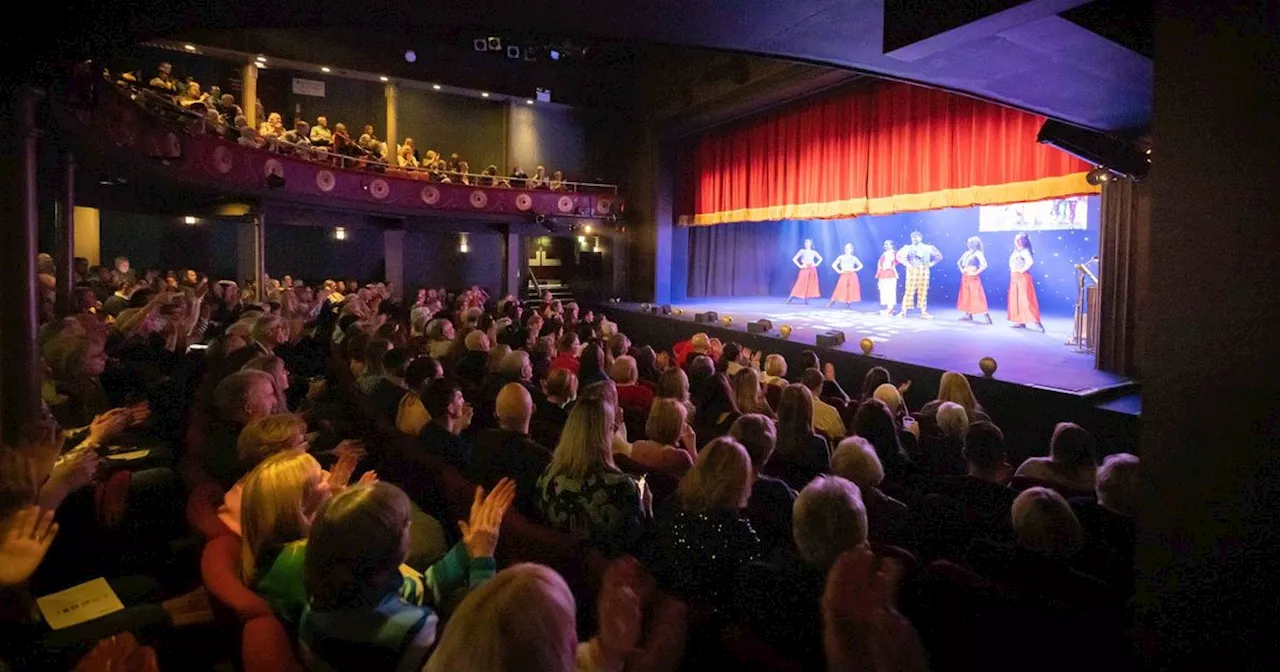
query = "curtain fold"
{"x": 879, "y": 148}
{"x": 1126, "y": 206}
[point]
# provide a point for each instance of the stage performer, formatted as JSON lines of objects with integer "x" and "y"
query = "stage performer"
{"x": 807, "y": 260}
{"x": 918, "y": 257}
{"x": 1023, "y": 305}
{"x": 887, "y": 278}
{"x": 847, "y": 289}
{"x": 973, "y": 299}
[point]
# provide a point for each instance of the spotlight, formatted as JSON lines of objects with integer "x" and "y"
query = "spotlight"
{"x": 436, "y": 87}
{"x": 495, "y": 44}
{"x": 479, "y": 44}
{"x": 587, "y": 228}
{"x": 530, "y": 53}
{"x": 463, "y": 244}
{"x": 324, "y": 68}
{"x": 189, "y": 47}
{"x": 528, "y": 101}
{"x": 555, "y": 54}
{"x": 484, "y": 94}
{"x": 262, "y": 59}
{"x": 410, "y": 55}
{"x": 189, "y": 219}
{"x": 339, "y": 233}
{"x": 513, "y": 52}
{"x": 384, "y": 78}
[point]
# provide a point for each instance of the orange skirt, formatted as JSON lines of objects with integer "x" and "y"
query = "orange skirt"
{"x": 973, "y": 298}
{"x": 806, "y": 286}
{"x": 847, "y": 289}
{"x": 1024, "y": 308}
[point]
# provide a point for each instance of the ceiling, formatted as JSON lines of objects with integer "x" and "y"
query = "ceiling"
{"x": 1082, "y": 62}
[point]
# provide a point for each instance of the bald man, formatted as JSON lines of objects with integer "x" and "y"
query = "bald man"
{"x": 508, "y": 451}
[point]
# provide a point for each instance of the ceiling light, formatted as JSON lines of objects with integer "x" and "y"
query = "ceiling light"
{"x": 484, "y": 94}
{"x": 528, "y": 102}
{"x": 340, "y": 233}
{"x": 410, "y": 55}
{"x": 324, "y": 68}
{"x": 262, "y": 59}
{"x": 436, "y": 87}
{"x": 384, "y": 79}
{"x": 189, "y": 219}
{"x": 587, "y": 228}
{"x": 189, "y": 47}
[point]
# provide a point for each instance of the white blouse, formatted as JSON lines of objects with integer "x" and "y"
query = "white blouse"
{"x": 808, "y": 257}
{"x": 1020, "y": 261}
{"x": 846, "y": 263}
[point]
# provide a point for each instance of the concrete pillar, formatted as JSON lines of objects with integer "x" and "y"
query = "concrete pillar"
{"x": 393, "y": 96}
{"x": 20, "y": 372}
{"x": 249, "y": 93}
{"x": 88, "y": 237}
{"x": 393, "y": 259}
{"x": 513, "y": 277}
{"x": 260, "y": 255}
{"x": 65, "y": 251}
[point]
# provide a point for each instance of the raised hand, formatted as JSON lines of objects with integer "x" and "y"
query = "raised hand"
{"x": 69, "y": 475}
{"x": 862, "y": 628}
{"x": 369, "y": 477}
{"x": 349, "y": 455}
{"x": 828, "y": 371}
{"x": 24, "y": 544}
{"x": 106, "y": 426}
{"x": 480, "y": 534}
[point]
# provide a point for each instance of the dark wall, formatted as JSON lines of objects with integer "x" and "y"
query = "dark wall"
{"x": 166, "y": 243}
{"x": 474, "y": 128}
{"x": 354, "y": 102}
{"x": 579, "y": 142}
{"x": 432, "y": 259}
{"x": 313, "y": 254}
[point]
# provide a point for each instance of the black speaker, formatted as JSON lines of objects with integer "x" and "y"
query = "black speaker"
{"x": 831, "y": 339}
{"x": 1121, "y": 155}
{"x": 759, "y": 327}
{"x": 655, "y": 310}
{"x": 666, "y": 309}
{"x": 709, "y": 317}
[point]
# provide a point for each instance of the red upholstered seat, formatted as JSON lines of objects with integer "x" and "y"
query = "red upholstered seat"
{"x": 264, "y": 643}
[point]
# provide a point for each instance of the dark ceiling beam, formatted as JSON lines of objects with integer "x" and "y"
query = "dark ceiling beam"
{"x": 916, "y": 29}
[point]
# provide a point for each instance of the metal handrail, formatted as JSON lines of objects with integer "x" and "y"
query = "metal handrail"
{"x": 280, "y": 146}
{"x": 537, "y": 286}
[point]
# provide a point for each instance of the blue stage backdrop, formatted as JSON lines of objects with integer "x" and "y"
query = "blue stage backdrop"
{"x": 754, "y": 258}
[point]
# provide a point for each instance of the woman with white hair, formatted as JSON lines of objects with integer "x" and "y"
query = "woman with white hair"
{"x": 702, "y": 539}
{"x": 775, "y": 371}
{"x": 583, "y": 493}
{"x": 888, "y": 519}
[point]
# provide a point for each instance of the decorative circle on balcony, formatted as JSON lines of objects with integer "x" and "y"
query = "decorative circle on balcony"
{"x": 430, "y": 195}
{"x": 273, "y": 167}
{"x": 565, "y": 204}
{"x": 122, "y": 126}
{"x": 326, "y": 181}
{"x": 604, "y": 205}
{"x": 223, "y": 159}
{"x": 479, "y": 199}
{"x": 379, "y": 188}
{"x": 524, "y": 202}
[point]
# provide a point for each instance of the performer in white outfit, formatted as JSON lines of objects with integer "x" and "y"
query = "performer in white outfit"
{"x": 807, "y": 260}
{"x": 887, "y": 278}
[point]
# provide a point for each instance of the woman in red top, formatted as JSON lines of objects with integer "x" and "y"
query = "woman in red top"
{"x": 887, "y": 278}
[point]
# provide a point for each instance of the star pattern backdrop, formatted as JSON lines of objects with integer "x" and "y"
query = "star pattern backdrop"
{"x": 754, "y": 258}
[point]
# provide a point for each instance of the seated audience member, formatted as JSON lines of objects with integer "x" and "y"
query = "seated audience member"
{"x": 701, "y": 538}
{"x": 954, "y": 387}
{"x": 559, "y": 390}
{"x": 245, "y": 134}
{"x": 507, "y": 451}
{"x": 259, "y": 440}
{"x": 569, "y": 349}
{"x": 375, "y": 357}
{"x": 591, "y": 365}
{"x": 647, "y": 365}
{"x": 519, "y": 178}
{"x": 830, "y": 388}
{"x": 164, "y": 81}
{"x": 981, "y": 492}
{"x": 607, "y": 392}
{"x": 699, "y": 344}
{"x": 463, "y": 170}
{"x": 413, "y": 416}
{"x": 1044, "y": 523}
{"x": 273, "y": 127}
{"x": 472, "y": 368}
{"x": 191, "y": 95}
{"x": 701, "y": 368}
{"x": 731, "y": 359}
{"x": 388, "y": 393}
{"x": 440, "y": 336}
{"x": 275, "y": 367}
{"x": 781, "y": 599}
{"x": 300, "y": 137}
{"x": 584, "y": 494}
{"x": 716, "y": 409}
{"x": 876, "y": 376}
{"x": 1072, "y": 461}
{"x": 450, "y": 416}
{"x": 775, "y": 371}
{"x": 557, "y": 182}
{"x": 674, "y": 384}
{"x": 888, "y": 520}
{"x": 320, "y": 133}
{"x": 367, "y": 610}
{"x": 769, "y": 507}
{"x": 892, "y": 398}
{"x": 279, "y": 501}
{"x": 1110, "y": 522}
{"x": 239, "y": 399}
{"x": 801, "y": 454}
{"x": 826, "y": 418}
{"x": 749, "y": 394}
{"x": 631, "y": 394}
{"x": 405, "y": 157}
{"x": 940, "y": 454}
{"x": 671, "y": 445}
{"x": 874, "y": 422}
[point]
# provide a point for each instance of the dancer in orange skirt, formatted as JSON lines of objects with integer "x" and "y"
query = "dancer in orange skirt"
{"x": 807, "y": 260}
{"x": 848, "y": 290}
{"x": 1023, "y": 305}
{"x": 973, "y": 299}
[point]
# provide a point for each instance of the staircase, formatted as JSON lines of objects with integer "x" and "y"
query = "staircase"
{"x": 534, "y": 289}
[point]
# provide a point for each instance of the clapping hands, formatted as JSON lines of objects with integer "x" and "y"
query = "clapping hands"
{"x": 480, "y": 533}
{"x": 29, "y": 535}
{"x": 862, "y": 628}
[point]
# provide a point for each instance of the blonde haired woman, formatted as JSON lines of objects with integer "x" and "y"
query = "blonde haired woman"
{"x": 259, "y": 440}
{"x": 674, "y": 384}
{"x": 281, "y": 497}
{"x": 671, "y": 446}
{"x": 703, "y": 539}
{"x": 750, "y": 395}
{"x": 583, "y": 493}
{"x": 775, "y": 371}
{"x": 954, "y": 387}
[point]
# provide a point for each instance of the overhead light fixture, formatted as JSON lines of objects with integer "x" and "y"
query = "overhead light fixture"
{"x": 436, "y": 87}
{"x": 484, "y": 94}
{"x": 384, "y": 78}
{"x": 189, "y": 47}
{"x": 555, "y": 54}
{"x": 189, "y": 219}
{"x": 262, "y": 59}
{"x": 410, "y": 55}
{"x": 513, "y": 52}
{"x": 587, "y": 228}
{"x": 324, "y": 68}
{"x": 463, "y": 244}
{"x": 495, "y": 44}
{"x": 479, "y": 44}
{"x": 528, "y": 101}
{"x": 340, "y": 233}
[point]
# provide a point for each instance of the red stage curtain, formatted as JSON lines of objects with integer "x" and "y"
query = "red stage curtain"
{"x": 883, "y": 147}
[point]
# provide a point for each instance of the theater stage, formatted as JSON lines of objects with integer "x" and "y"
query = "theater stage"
{"x": 1025, "y": 356}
